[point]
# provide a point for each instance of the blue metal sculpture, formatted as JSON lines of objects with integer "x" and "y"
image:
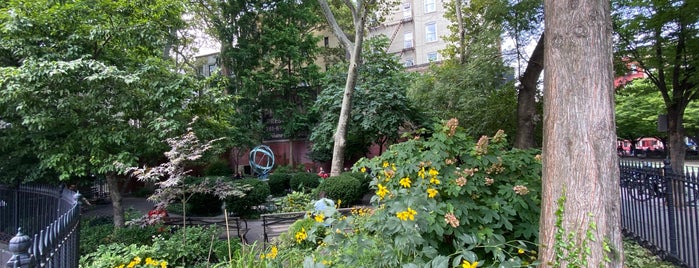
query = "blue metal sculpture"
{"x": 261, "y": 160}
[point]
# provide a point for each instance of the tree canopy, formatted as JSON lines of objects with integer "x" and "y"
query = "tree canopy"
{"x": 380, "y": 106}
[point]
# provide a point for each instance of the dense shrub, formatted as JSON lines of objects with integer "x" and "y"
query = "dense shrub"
{"x": 304, "y": 181}
{"x": 363, "y": 178}
{"x": 344, "y": 187}
{"x": 204, "y": 205}
{"x": 257, "y": 195}
{"x": 442, "y": 200}
{"x": 218, "y": 168}
{"x": 279, "y": 183}
{"x": 293, "y": 202}
{"x": 194, "y": 251}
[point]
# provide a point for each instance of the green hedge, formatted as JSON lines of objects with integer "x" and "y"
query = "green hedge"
{"x": 363, "y": 178}
{"x": 304, "y": 181}
{"x": 243, "y": 206}
{"x": 279, "y": 183}
{"x": 343, "y": 187}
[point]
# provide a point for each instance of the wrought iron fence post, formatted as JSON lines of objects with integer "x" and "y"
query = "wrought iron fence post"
{"x": 670, "y": 199}
{"x": 19, "y": 246}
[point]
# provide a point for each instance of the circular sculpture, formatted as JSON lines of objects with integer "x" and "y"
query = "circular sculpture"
{"x": 261, "y": 160}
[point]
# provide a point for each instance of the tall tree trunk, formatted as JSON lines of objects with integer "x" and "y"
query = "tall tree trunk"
{"x": 526, "y": 98}
{"x": 359, "y": 9}
{"x": 115, "y": 194}
{"x": 580, "y": 214}
{"x": 341, "y": 131}
{"x": 462, "y": 32}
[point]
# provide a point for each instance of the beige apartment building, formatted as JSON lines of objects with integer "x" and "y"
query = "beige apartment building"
{"x": 415, "y": 28}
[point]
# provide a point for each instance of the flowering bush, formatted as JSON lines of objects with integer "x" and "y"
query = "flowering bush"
{"x": 444, "y": 201}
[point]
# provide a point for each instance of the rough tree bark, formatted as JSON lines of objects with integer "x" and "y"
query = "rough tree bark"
{"x": 526, "y": 98}
{"x": 580, "y": 214}
{"x": 359, "y": 15}
{"x": 115, "y": 194}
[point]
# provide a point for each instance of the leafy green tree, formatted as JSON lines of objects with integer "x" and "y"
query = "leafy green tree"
{"x": 638, "y": 105}
{"x": 89, "y": 86}
{"x": 268, "y": 51}
{"x": 661, "y": 37}
{"x": 472, "y": 76}
{"x": 380, "y": 107}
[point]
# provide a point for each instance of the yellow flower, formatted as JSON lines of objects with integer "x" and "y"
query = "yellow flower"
{"x": 432, "y": 192}
{"x": 120, "y": 266}
{"x": 407, "y": 214}
{"x": 320, "y": 217}
{"x": 405, "y": 182}
{"x": 363, "y": 169}
{"x": 520, "y": 251}
{"x": 163, "y": 264}
{"x": 382, "y": 191}
{"x": 433, "y": 172}
{"x": 434, "y": 180}
{"x": 421, "y": 173}
{"x": 301, "y": 235}
{"x": 393, "y": 167}
{"x": 385, "y": 164}
{"x": 467, "y": 264}
{"x": 272, "y": 252}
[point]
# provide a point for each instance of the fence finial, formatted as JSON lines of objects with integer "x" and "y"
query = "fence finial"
{"x": 19, "y": 246}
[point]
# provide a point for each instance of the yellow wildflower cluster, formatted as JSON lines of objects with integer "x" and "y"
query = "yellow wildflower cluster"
{"x": 301, "y": 235}
{"x": 431, "y": 193}
{"x": 407, "y": 214}
{"x": 148, "y": 262}
{"x": 362, "y": 211}
{"x": 405, "y": 182}
{"x": 272, "y": 253}
{"x": 382, "y": 191}
{"x": 319, "y": 217}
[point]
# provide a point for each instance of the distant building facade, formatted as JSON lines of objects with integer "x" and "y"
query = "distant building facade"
{"x": 415, "y": 29}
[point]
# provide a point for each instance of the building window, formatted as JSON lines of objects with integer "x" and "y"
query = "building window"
{"x": 430, "y": 6}
{"x": 212, "y": 69}
{"x": 406, "y": 11}
{"x": 432, "y": 56}
{"x": 408, "y": 62}
{"x": 431, "y": 32}
{"x": 408, "y": 40}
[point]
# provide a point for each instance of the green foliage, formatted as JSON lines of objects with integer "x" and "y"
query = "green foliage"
{"x": 638, "y": 257}
{"x": 441, "y": 201}
{"x": 304, "y": 181}
{"x": 279, "y": 183}
{"x": 380, "y": 107}
{"x": 363, "y": 178}
{"x": 271, "y": 64}
{"x": 218, "y": 167}
{"x": 294, "y": 202}
{"x": 257, "y": 195}
{"x": 344, "y": 189}
{"x": 201, "y": 204}
{"x": 189, "y": 247}
{"x": 94, "y": 232}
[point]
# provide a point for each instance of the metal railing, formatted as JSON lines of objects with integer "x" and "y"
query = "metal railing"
{"x": 660, "y": 210}
{"x": 51, "y": 217}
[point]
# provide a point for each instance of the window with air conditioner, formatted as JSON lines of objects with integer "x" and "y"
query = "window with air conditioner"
{"x": 408, "y": 40}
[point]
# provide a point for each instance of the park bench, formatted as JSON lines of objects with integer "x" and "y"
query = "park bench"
{"x": 236, "y": 226}
{"x": 275, "y": 224}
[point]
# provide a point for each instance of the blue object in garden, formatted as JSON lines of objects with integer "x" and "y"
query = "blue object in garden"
{"x": 261, "y": 160}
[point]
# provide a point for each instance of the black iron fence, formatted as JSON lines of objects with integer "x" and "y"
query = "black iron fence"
{"x": 39, "y": 226}
{"x": 660, "y": 210}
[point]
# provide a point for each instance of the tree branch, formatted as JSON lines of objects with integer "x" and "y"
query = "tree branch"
{"x": 335, "y": 27}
